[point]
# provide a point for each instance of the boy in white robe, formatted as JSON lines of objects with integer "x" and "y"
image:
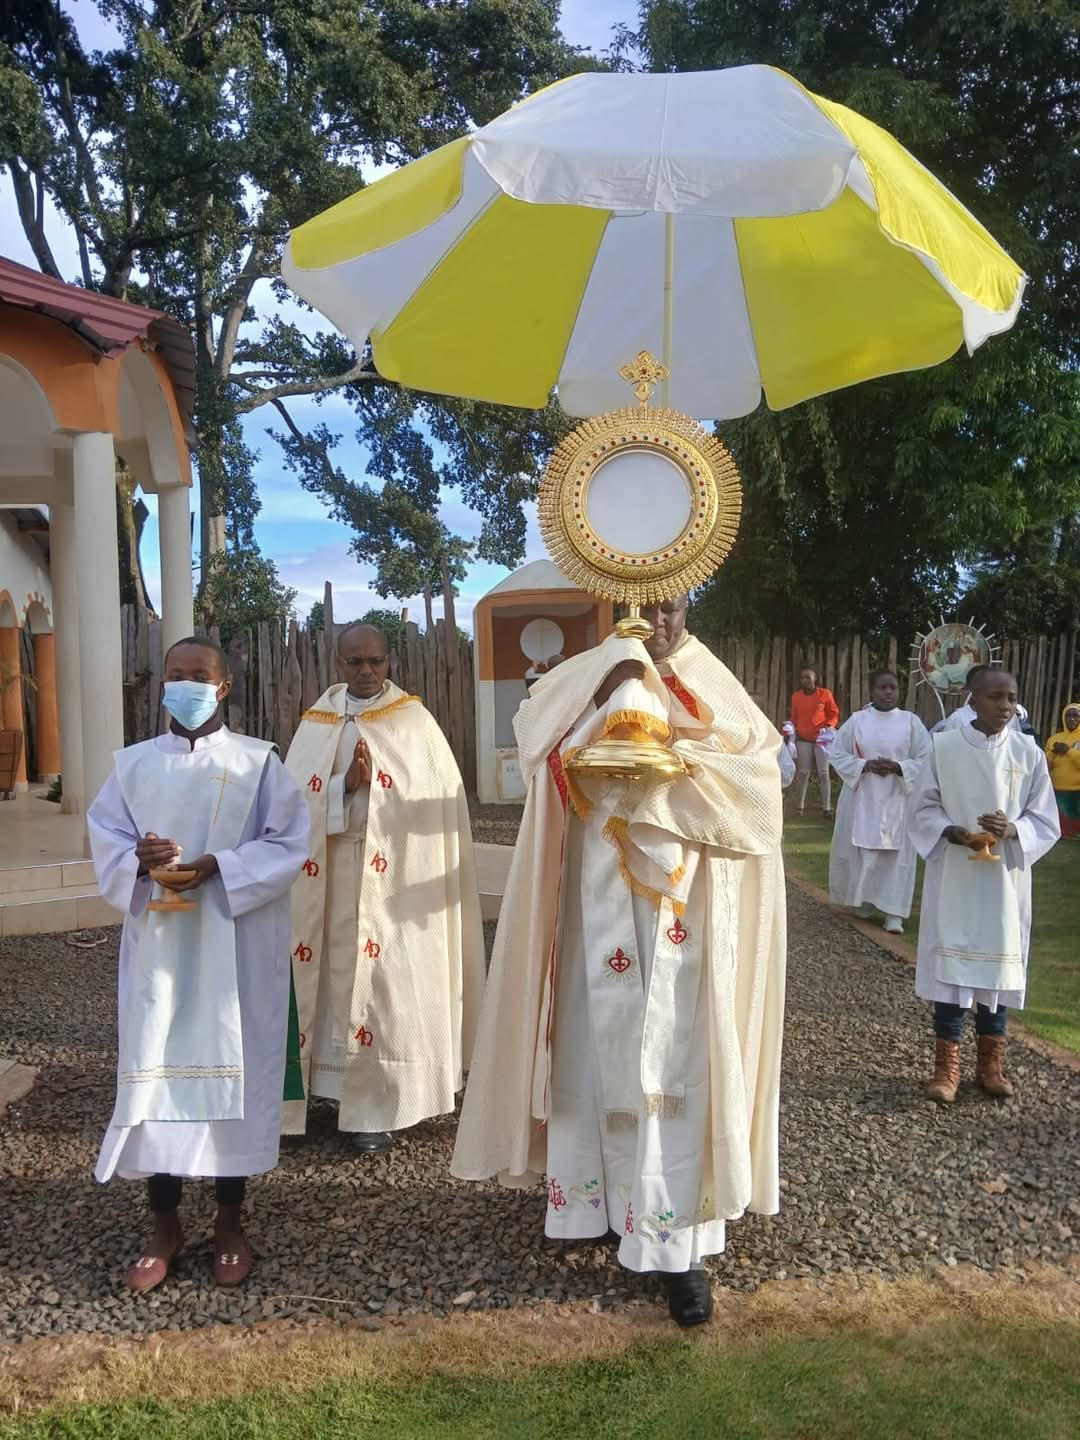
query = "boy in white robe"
{"x": 982, "y": 786}
{"x": 204, "y": 990}
{"x": 964, "y": 714}
{"x": 877, "y": 753}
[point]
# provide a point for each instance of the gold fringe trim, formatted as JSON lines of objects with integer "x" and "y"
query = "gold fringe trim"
{"x": 640, "y": 720}
{"x": 665, "y": 1107}
{"x": 579, "y": 801}
{"x": 678, "y": 875}
{"x": 322, "y": 717}
{"x": 618, "y": 1122}
{"x": 388, "y": 709}
{"x": 615, "y": 833}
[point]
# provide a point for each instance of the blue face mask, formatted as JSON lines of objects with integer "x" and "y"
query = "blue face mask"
{"x": 190, "y": 703}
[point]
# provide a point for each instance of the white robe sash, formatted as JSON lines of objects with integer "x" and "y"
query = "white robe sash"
{"x": 181, "y": 1055}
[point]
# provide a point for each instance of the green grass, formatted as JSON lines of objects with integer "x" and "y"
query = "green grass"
{"x": 956, "y": 1380}
{"x": 1053, "y": 1000}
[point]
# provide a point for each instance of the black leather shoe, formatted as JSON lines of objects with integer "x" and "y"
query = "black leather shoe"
{"x": 373, "y": 1142}
{"x": 689, "y": 1297}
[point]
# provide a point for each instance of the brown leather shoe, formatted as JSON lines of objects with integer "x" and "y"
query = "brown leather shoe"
{"x": 232, "y": 1261}
{"x": 150, "y": 1271}
{"x": 946, "y": 1081}
{"x": 989, "y": 1075}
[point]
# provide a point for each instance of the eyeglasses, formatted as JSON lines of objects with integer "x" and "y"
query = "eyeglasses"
{"x": 354, "y": 662}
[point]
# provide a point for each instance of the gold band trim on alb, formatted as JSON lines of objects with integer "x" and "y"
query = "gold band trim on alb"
{"x": 385, "y": 710}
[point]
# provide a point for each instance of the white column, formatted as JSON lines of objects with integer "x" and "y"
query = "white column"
{"x": 62, "y": 567}
{"x": 101, "y": 672}
{"x": 174, "y": 545}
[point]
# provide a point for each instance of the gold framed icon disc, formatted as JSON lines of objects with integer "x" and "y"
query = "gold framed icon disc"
{"x": 640, "y": 504}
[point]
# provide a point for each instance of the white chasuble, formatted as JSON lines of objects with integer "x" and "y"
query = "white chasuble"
{"x": 630, "y": 1036}
{"x": 975, "y": 927}
{"x": 203, "y": 994}
{"x": 387, "y": 944}
{"x": 871, "y": 858}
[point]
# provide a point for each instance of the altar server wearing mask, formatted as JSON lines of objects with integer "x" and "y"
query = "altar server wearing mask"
{"x": 203, "y": 991}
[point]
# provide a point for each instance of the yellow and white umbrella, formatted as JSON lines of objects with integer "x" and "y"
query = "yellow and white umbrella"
{"x": 757, "y": 237}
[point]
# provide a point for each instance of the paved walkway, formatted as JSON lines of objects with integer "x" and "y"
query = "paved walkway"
{"x": 876, "y": 1180}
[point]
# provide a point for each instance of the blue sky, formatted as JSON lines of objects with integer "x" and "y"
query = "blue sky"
{"x": 293, "y": 528}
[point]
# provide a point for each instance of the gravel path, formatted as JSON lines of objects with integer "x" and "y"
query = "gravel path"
{"x": 876, "y": 1179}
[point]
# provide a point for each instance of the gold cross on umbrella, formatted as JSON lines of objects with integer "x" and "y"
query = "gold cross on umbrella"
{"x": 222, "y": 780}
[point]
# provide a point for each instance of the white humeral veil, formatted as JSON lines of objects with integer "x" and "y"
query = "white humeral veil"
{"x": 700, "y": 854}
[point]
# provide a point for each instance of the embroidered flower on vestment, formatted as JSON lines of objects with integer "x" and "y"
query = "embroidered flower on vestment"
{"x": 662, "y": 1224}
{"x": 588, "y": 1193}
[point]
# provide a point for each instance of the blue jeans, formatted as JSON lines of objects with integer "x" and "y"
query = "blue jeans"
{"x": 949, "y": 1020}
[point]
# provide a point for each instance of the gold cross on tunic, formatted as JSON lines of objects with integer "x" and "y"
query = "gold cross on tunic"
{"x": 1015, "y": 774}
{"x": 222, "y": 780}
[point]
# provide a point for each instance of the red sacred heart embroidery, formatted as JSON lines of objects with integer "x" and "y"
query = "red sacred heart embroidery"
{"x": 678, "y": 933}
{"x": 619, "y": 962}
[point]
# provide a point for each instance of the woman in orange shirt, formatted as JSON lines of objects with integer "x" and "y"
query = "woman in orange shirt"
{"x": 812, "y": 709}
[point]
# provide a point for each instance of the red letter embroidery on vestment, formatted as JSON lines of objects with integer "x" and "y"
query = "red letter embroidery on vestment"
{"x": 303, "y": 953}
{"x": 315, "y": 783}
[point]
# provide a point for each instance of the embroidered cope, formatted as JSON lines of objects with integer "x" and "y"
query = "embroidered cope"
{"x": 387, "y": 942}
{"x": 630, "y": 1036}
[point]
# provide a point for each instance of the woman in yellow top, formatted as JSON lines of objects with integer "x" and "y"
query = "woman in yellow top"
{"x": 1063, "y": 756}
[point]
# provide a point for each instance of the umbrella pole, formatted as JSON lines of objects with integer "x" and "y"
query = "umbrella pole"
{"x": 669, "y": 273}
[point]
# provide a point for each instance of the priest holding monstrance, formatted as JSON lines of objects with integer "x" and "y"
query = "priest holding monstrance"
{"x": 629, "y": 1045}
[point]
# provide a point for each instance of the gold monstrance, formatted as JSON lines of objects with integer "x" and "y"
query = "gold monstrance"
{"x": 638, "y": 505}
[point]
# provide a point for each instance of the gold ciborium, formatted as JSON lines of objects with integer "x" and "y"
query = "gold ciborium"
{"x": 639, "y": 506}
{"x": 982, "y": 843}
{"x": 170, "y": 899}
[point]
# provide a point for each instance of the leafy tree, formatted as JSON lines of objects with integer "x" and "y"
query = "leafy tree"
{"x": 316, "y": 619}
{"x": 388, "y": 621}
{"x": 181, "y": 160}
{"x": 871, "y": 508}
{"x": 241, "y": 589}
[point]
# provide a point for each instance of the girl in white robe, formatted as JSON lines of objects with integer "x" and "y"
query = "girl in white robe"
{"x": 878, "y": 754}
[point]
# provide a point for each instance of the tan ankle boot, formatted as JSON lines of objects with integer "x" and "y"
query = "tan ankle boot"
{"x": 988, "y": 1072}
{"x": 946, "y": 1081}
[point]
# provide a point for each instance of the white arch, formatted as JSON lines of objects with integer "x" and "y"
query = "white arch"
{"x": 147, "y": 441}
{"x": 28, "y": 426}
{"x": 36, "y": 617}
